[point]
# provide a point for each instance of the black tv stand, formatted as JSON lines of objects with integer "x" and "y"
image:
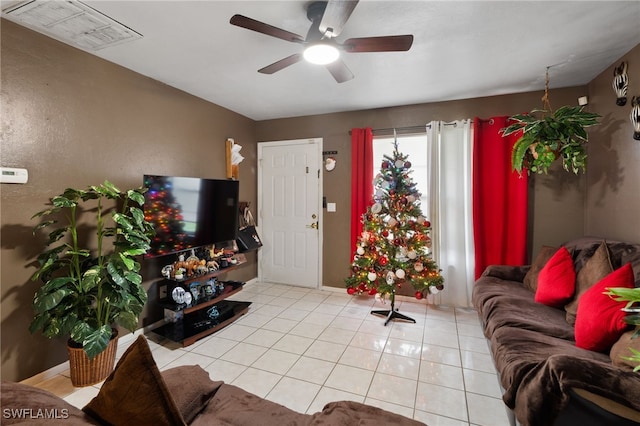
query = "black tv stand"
{"x": 194, "y": 320}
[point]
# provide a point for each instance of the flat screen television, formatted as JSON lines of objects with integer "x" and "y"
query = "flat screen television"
{"x": 189, "y": 212}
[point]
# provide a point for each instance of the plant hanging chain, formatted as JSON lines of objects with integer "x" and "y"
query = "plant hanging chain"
{"x": 546, "y": 105}
{"x": 555, "y": 135}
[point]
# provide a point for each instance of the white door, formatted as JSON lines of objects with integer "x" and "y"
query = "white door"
{"x": 290, "y": 211}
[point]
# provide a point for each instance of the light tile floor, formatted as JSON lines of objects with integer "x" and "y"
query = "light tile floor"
{"x": 303, "y": 348}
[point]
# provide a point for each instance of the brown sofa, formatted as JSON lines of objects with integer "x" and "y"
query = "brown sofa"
{"x": 137, "y": 393}
{"x": 546, "y": 378}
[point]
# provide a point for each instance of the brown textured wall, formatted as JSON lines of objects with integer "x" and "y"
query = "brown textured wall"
{"x": 73, "y": 120}
{"x": 613, "y": 176}
{"x": 556, "y": 200}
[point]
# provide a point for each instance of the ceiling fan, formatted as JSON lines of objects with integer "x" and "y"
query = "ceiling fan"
{"x": 327, "y": 21}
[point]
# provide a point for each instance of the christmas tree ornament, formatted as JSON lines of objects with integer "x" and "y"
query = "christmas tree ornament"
{"x": 376, "y": 208}
{"x": 411, "y": 254}
{"x": 399, "y": 164}
{"x": 351, "y": 290}
{"x": 419, "y": 267}
{"x": 372, "y": 276}
{"x": 360, "y": 250}
{"x": 400, "y": 274}
{"x": 390, "y": 278}
{"x": 392, "y": 222}
{"x": 372, "y": 291}
{"x": 407, "y": 164}
{"x": 383, "y": 261}
{"x": 419, "y": 295}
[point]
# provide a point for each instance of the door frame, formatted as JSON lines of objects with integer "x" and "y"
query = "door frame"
{"x": 318, "y": 142}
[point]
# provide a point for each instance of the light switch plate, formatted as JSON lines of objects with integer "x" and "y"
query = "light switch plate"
{"x": 331, "y": 207}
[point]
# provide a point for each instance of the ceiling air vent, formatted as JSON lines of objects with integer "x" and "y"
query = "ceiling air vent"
{"x": 71, "y": 22}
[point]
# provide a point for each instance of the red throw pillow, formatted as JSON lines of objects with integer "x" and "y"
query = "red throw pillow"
{"x": 556, "y": 280}
{"x": 600, "y": 319}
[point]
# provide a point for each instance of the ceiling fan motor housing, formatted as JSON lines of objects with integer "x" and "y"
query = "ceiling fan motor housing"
{"x": 315, "y": 12}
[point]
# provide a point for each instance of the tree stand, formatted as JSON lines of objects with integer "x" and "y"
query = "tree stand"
{"x": 393, "y": 313}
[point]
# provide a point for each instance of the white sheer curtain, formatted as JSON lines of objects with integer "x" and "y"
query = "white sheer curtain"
{"x": 450, "y": 209}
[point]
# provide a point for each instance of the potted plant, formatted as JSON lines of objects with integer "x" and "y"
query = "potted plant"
{"x": 85, "y": 292}
{"x": 632, "y": 297}
{"x": 548, "y": 135}
{"x": 552, "y": 135}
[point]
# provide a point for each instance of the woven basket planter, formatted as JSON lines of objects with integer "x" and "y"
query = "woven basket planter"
{"x": 87, "y": 372}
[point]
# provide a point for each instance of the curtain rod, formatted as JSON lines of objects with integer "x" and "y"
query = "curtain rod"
{"x": 406, "y": 129}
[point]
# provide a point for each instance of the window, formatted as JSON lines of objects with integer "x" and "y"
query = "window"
{"x": 415, "y": 147}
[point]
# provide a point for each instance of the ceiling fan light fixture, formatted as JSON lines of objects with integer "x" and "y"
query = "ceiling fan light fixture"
{"x": 321, "y": 53}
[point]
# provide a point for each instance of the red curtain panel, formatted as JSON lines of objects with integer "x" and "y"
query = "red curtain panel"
{"x": 361, "y": 179}
{"x": 499, "y": 198}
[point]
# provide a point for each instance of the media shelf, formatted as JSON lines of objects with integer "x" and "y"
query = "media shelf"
{"x": 191, "y": 322}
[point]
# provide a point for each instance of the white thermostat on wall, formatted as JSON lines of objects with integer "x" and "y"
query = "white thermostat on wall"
{"x": 13, "y": 175}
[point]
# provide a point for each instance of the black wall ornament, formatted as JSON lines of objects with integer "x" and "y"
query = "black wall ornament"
{"x": 634, "y": 116}
{"x": 620, "y": 83}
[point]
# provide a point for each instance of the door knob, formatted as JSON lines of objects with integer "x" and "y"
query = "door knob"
{"x": 314, "y": 225}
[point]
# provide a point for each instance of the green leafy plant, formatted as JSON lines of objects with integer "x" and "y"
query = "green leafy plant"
{"x": 631, "y": 296}
{"x": 85, "y": 292}
{"x": 547, "y": 136}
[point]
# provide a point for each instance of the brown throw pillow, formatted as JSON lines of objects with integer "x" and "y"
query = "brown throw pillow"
{"x": 191, "y": 388}
{"x": 530, "y": 280}
{"x": 135, "y": 393}
{"x": 595, "y": 269}
{"x": 620, "y": 350}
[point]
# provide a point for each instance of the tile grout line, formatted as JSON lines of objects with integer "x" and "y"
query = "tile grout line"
{"x": 464, "y": 380}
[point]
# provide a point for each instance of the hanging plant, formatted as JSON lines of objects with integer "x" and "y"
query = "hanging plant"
{"x": 548, "y": 135}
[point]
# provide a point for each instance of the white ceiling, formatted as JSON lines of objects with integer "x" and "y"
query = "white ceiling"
{"x": 461, "y": 49}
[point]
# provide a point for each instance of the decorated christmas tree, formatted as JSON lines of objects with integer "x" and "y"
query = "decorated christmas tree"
{"x": 394, "y": 248}
{"x": 165, "y": 214}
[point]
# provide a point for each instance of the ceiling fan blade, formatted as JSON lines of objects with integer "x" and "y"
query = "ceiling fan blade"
{"x": 261, "y": 27}
{"x": 281, "y": 64}
{"x": 399, "y": 43}
{"x": 336, "y": 15}
{"x": 339, "y": 71}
